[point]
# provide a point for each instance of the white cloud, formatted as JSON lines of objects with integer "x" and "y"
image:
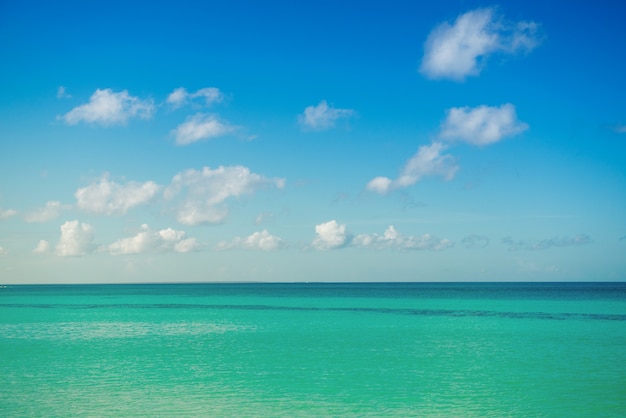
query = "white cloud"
{"x": 262, "y": 240}
{"x": 393, "y": 239}
{"x": 107, "y": 107}
{"x": 181, "y": 96}
{"x": 76, "y": 239}
{"x": 322, "y": 116}
{"x": 264, "y": 218}
{"x": 148, "y": 240}
{"x": 330, "y": 235}
{"x": 42, "y": 247}
{"x": 475, "y": 241}
{"x": 62, "y": 94}
{"x": 200, "y": 127}
{"x": 5, "y": 214}
{"x": 110, "y": 198}
{"x": 428, "y": 161}
{"x": 460, "y": 50}
{"x": 204, "y": 192}
{"x": 547, "y": 243}
{"x": 3, "y": 251}
{"x": 481, "y": 125}
{"x": 52, "y": 210}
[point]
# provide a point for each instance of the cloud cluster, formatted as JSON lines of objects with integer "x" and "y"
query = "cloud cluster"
{"x": 456, "y": 51}
{"x": 76, "y": 239}
{"x": 545, "y": 244}
{"x": 322, "y": 116}
{"x": 200, "y": 127}
{"x": 262, "y": 240}
{"x": 202, "y": 193}
{"x": 106, "y": 107}
{"x": 181, "y": 96}
{"x": 148, "y": 240}
{"x": 110, "y": 198}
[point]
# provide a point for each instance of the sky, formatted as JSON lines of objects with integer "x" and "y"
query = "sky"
{"x": 312, "y": 141}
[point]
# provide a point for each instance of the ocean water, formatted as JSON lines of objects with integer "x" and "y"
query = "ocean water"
{"x": 464, "y": 350}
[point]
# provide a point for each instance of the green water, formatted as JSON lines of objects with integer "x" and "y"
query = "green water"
{"x": 314, "y": 350}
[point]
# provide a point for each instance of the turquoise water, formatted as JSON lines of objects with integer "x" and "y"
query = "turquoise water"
{"x": 513, "y": 350}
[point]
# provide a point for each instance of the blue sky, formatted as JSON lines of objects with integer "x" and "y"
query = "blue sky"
{"x": 327, "y": 141}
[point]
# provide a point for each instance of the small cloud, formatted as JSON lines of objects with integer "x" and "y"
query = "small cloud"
{"x": 620, "y": 129}
{"x": 264, "y": 218}
{"x": 110, "y": 198}
{"x": 180, "y": 96}
{"x": 331, "y": 235}
{"x": 42, "y": 247}
{"x": 107, "y": 107}
{"x": 7, "y": 213}
{"x": 481, "y": 125}
{"x": 475, "y": 241}
{"x": 545, "y": 244}
{"x": 391, "y": 238}
{"x": 76, "y": 239}
{"x": 148, "y": 240}
{"x": 200, "y": 127}
{"x": 62, "y": 93}
{"x": 322, "y": 116}
{"x": 257, "y": 241}
{"x": 204, "y": 192}
{"x": 52, "y": 210}
{"x": 456, "y": 51}
{"x": 3, "y": 251}
{"x": 428, "y": 161}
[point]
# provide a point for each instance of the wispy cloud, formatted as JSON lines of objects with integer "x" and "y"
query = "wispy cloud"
{"x": 203, "y": 193}
{"x": 52, "y": 210}
{"x": 201, "y": 127}
{"x": 76, "y": 239}
{"x": 545, "y": 244}
{"x": 181, "y": 96}
{"x": 106, "y": 107}
{"x": 7, "y": 213}
{"x": 322, "y": 116}
{"x": 148, "y": 240}
{"x": 482, "y": 125}
{"x": 428, "y": 161}
{"x": 456, "y": 51}
{"x": 620, "y": 129}
{"x": 42, "y": 247}
{"x": 62, "y": 93}
{"x": 110, "y": 198}
{"x": 391, "y": 238}
{"x": 262, "y": 240}
{"x": 475, "y": 241}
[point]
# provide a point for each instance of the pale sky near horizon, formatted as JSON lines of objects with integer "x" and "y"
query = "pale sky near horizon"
{"x": 327, "y": 141}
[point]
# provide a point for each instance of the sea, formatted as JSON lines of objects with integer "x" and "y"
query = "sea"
{"x": 314, "y": 349}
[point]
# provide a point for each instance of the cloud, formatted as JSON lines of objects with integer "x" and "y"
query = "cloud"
{"x": 620, "y": 129}
{"x": 331, "y": 235}
{"x": 257, "y": 241}
{"x": 200, "y": 127}
{"x": 264, "y": 218}
{"x": 428, "y": 161}
{"x": 7, "y": 213}
{"x": 76, "y": 239}
{"x": 107, "y": 107}
{"x": 205, "y": 192}
{"x": 42, "y": 247}
{"x": 461, "y": 49}
{"x": 109, "y": 198}
{"x": 475, "y": 241}
{"x": 545, "y": 244}
{"x": 181, "y": 96}
{"x": 148, "y": 240}
{"x": 62, "y": 94}
{"x": 391, "y": 238}
{"x": 52, "y": 210}
{"x": 322, "y": 116}
{"x": 481, "y": 125}
{"x": 3, "y": 251}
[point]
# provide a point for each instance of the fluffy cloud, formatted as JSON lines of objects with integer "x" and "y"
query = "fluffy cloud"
{"x": 460, "y": 50}
{"x": 107, "y": 107}
{"x": 203, "y": 193}
{"x": 545, "y": 244}
{"x": 475, "y": 241}
{"x": 42, "y": 247}
{"x": 428, "y": 161}
{"x": 257, "y": 241}
{"x": 110, "y": 198}
{"x": 76, "y": 239}
{"x": 481, "y": 125}
{"x": 148, "y": 240}
{"x": 331, "y": 235}
{"x": 52, "y": 210}
{"x": 322, "y": 116}
{"x": 181, "y": 96}
{"x": 7, "y": 213}
{"x": 393, "y": 239}
{"x": 200, "y": 127}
